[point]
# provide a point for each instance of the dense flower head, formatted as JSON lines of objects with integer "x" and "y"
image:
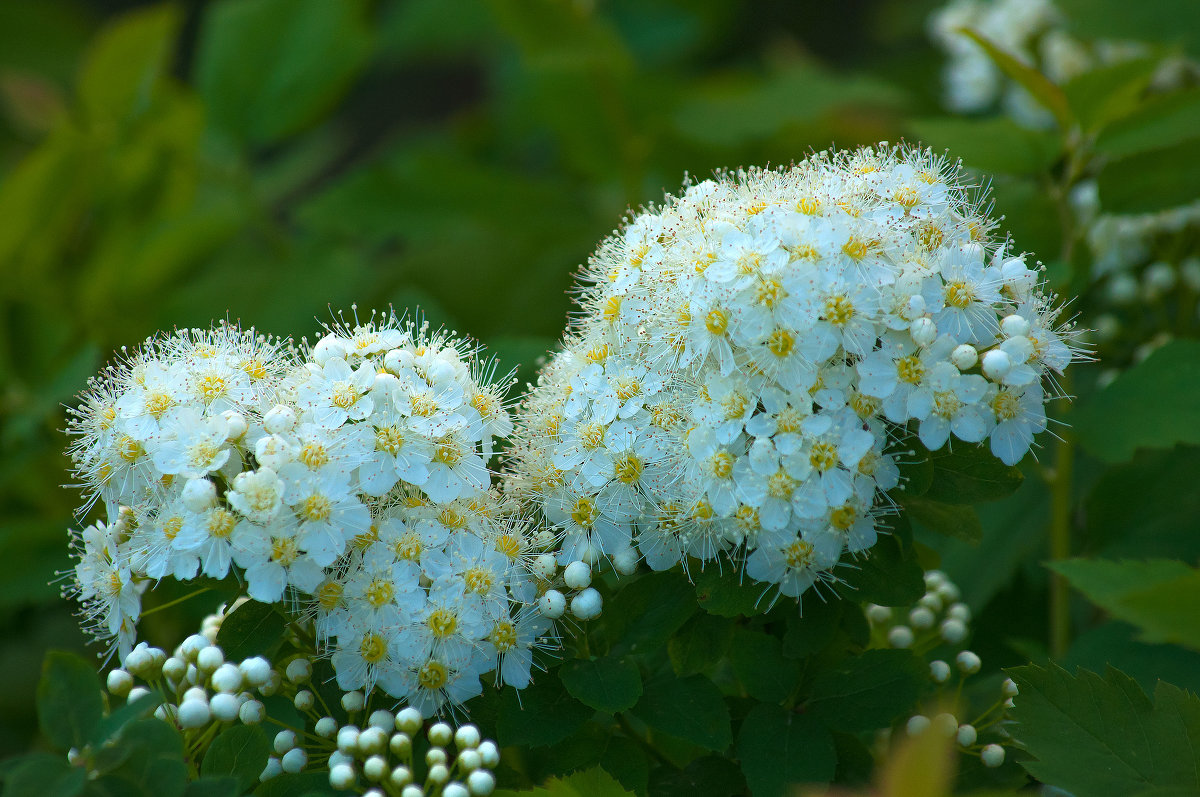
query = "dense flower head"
{"x": 751, "y": 352}
{"x": 350, "y": 478}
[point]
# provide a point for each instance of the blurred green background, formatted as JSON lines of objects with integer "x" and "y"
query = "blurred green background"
{"x": 265, "y": 160}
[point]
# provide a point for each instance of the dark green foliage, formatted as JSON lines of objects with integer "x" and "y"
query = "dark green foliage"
{"x": 778, "y": 747}
{"x": 240, "y": 751}
{"x": 688, "y": 708}
{"x": 605, "y": 684}
{"x": 251, "y": 629}
{"x": 68, "y": 700}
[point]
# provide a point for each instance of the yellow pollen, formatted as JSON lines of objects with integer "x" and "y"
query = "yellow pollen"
{"x": 864, "y": 406}
{"x": 734, "y": 404}
{"x": 508, "y": 545}
{"x": 869, "y": 464}
{"x": 389, "y": 439}
{"x": 703, "y": 512}
{"x": 451, "y": 518}
{"x": 584, "y": 514}
{"x": 202, "y": 453}
{"x": 129, "y": 449}
{"x": 781, "y": 485}
{"x": 423, "y": 404}
{"x": 803, "y": 252}
{"x": 665, "y": 416}
{"x": 756, "y": 208}
{"x": 788, "y": 420}
{"x": 684, "y": 319}
{"x": 254, "y": 368}
{"x": 365, "y": 540}
{"x": 747, "y": 518}
{"x": 448, "y": 454}
{"x": 959, "y": 294}
{"x": 284, "y": 550}
{"x": 171, "y": 527}
{"x": 906, "y": 197}
{"x": 156, "y": 404}
{"x": 612, "y": 309}
{"x": 769, "y": 292}
{"x": 809, "y": 206}
{"x": 598, "y": 354}
{"x": 839, "y": 310}
{"x": 929, "y": 236}
{"x": 432, "y": 675}
{"x": 855, "y": 249}
{"x": 591, "y": 436}
{"x": 373, "y": 648}
{"x": 1006, "y": 406}
{"x": 717, "y": 321}
{"x": 627, "y": 388}
{"x": 823, "y": 456}
{"x": 780, "y": 343}
{"x": 637, "y": 255}
{"x": 798, "y": 554}
{"x": 909, "y": 369}
{"x": 442, "y": 622}
{"x": 344, "y": 395}
{"x": 503, "y": 636}
{"x": 485, "y": 404}
{"x": 316, "y": 508}
{"x": 946, "y": 404}
{"x": 479, "y": 580}
{"x": 843, "y": 517}
{"x": 380, "y": 592}
{"x": 408, "y": 547}
{"x": 314, "y": 455}
{"x": 749, "y": 263}
{"x": 211, "y": 388}
{"x": 115, "y": 584}
{"x": 628, "y": 469}
{"x": 221, "y": 523}
{"x": 329, "y": 595}
{"x": 721, "y": 464}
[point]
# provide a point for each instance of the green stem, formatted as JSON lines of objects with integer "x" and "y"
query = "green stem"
{"x": 177, "y": 601}
{"x": 1060, "y": 544}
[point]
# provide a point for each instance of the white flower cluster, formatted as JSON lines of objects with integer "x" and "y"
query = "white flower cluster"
{"x": 748, "y": 351}
{"x": 1034, "y": 32}
{"x": 202, "y": 692}
{"x": 353, "y": 477}
{"x": 938, "y": 618}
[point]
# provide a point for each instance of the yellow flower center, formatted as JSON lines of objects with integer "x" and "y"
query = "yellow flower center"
{"x": 408, "y": 547}
{"x": 843, "y": 517}
{"x": 591, "y": 436}
{"x": 129, "y": 449}
{"x": 508, "y": 545}
{"x": 373, "y": 648}
{"x": 628, "y": 468}
{"x": 809, "y": 206}
{"x": 584, "y": 514}
{"x": 823, "y": 456}
{"x": 612, "y": 309}
{"x": 171, "y": 527}
{"x": 909, "y": 369}
{"x": 447, "y": 453}
{"x": 157, "y": 404}
{"x": 254, "y": 368}
{"x": 780, "y": 343}
{"x": 503, "y": 636}
{"x": 211, "y": 388}
{"x": 959, "y": 294}
{"x": 380, "y": 592}
{"x": 839, "y": 310}
{"x": 1006, "y": 406}
{"x": 628, "y": 387}
{"x": 389, "y": 439}
{"x": 855, "y": 249}
{"x": 316, "y": 508}
{"x": 284, "y": 550}
{"x": 788, "y": 420}
{"x": 432, "y": 675}
{"x": 781, "y": 485}
{"x": 442, "y": 623}
{"x": 329, "y": 595}
{"x": 344, "y": 395}
{"x": 798, "y": 554}
{"x": 717, "y": 321}
{"x": 479, "y": 580}
{"x": 221, "y": 523}
{"x": 721, "y": 464}
{"x": 769, "y": 292}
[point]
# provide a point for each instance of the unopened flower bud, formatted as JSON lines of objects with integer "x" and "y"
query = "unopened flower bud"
{"x": 992, "y": 755}
{"x": 968, "y": 662}
{"x": 587, "y": 604}
{"x": 916, "y": 725}
{"x": 964, "y": 357}
{"x": 252, "y": 712}
{"x": 193, "y": 714}
{"x": 900, "y": 637}
{"x": 199, "y": 495}
{"x": 481, "y": 783}
{"x": 279, "y": 419}
{"x": 119, "y": 683}
{"x": 552, "y": 604}
{"x": 966, "y": 735}
{"x": 939, "y": 671}
{"x": 996, "y": 365}
{"x": 578, "y": 575}
{"x": 341, "y": 776}
{"x": 625, "y": 561}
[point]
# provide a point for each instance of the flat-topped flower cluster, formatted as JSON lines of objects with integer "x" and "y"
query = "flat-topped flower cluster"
{"x": 350, "y": 479}
{"x": 748, "y": 353}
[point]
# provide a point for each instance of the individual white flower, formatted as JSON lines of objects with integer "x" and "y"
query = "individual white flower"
{"x": 193, "y": 445}
{"x": 337, "y": 393}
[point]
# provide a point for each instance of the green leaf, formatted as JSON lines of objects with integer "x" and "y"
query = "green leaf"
{"x": 971, "y": 474}
{"x": 1038, "y": 85}
{"x": 606, "y": 684}
{"x": 152, "y": 760}
{"x": 1170, "y": 22}
{"x": 624, "y": 760}
{"x": 707, "y": 776}
{"x": 810, "y": 630}
{"x": 126, "y": 63}
{"x": 868, "y": 691}
{"x": 541, "y": 714}
{"x": 251, "y": 629}
{"x": 594, "y": 782}
{"x": 113, "y": 724}
{"x": 688, "y": 708}
{"x": 700, "y": 644}
{"x": 1100, "y": 736}
{"x": 727, "y": 592}
{"x": 1115, "y": 644}
{"x": 214, "y": 787}
{"x": 990, "y": 145}
{"x": 41, "y": 775}
{"x": 69, "y": 701}
{"x": 1150, "y": 181}
{"x": 1115, "y": 422}
{"x": 1159, "y": 596}
{"x": 1109, "y": 92}
{"x": 887, "y": 577}
{"x": 950, "y": 520}
{"x": 1161, "y": 121}
{"x": 759, "y": 663}
{"x": 267, "y": 68}
{"x": 240, "y": 751}
{"x": 644, "y": 614}
{"x": 780, "y": 749}
{"x": 304, "y": 784}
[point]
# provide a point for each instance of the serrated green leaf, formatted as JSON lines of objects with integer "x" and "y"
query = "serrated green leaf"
{"x": 541, "y": 714}
{"x": 868, "y": 691}
{"x": 69, "y": 702}
{"x": 126, "y": 63}
{"x": 1038, "y": 85}
{"x": 1158, "y": 596}
{"x": 240, "y": 751}
{"x": 1114, "y": 423}
{"x": 707, "y": 776}
{"x": 990, "y": 145}
{"x": 780, "y": 749}
{"x": 251, "y": 629}
{"x": 154, "y": 761}
{"x": 594, "y": 781}
{"x": 644, "y": 614}
{"x": 688, "y": 708}
{"x": 949, "y": 520}
{"x": 41, "y": 775}
{"x": 1101, "y": 736}
{"x": 759, "y": 663}
{"x": 1163, "y": 120}
{"x": 971, "y": 474}
{"x": 730, "y": 593}
{"x": 701, "y": 643}
{"x": 606, "y": 684}
{"x": 267, "y": 68}
{"x": 115, "y": 721}
{"x": 887, "y": 577}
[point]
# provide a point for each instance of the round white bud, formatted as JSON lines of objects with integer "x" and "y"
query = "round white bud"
{"x": 481, "y": 783}
{"x": 354, "y": 701}
{"x": 295, "y": 760}
{"x": 401, "y": 776}
{"x": 435, "y": 755}
{"x": 968, "y": 662}
{"x": 235, "y": 424}
{"x": 923, "y": 331}
{"x": 438, "y": 774}
{"x": 992, "y": 755}
{"x": 587, "y": 604}
{"x": 878, "y": 614}
{"x": 381, "y": 719}
{"x": 272, "y": 685}
{"x": 931, "y": 601}
{"x": 953, "y": 631}
{"x": 468, "y": 760}
{"x": 996, "y": 365}
{"x": 375, "y": 768}
{"x": 964, "y": 357}
{"x": 455, "y": 790}
{"x": 948, "y": 592}
{"x": 917, "y": 724}
{"x": 625, "y": 561}
{"x": 341, "y": 776}
{"x": 196, "y": 693}
{"x": 578, "y": 575}
{"x": 372, "y": 740}
{"x": 209, "y": 659}
{"x": 552, "y": 604}
{"x": 199, "y": 495}
{"x": 400, "y": 744}
{"x": 1014, "y": 326}
{"x": 252, "y": 712}
{"x": 303, "y": 700}
{"x": 900, "y": 636}
{"x": 174, "y": 669}
{"x": 273, "y": 769}
{"x": 1009, "y": 688}
{"x": 966, "y": 735}
{"x": 489, "y": 753}
{"x": 412, "y": 790}
{"x": 119, "y": 683}
{"x": 325, "y": 727}
{"x": 256, "y": 670}
{"x": 298, "y": 671}
{"x": 210, "y": 633}
{"x": 960, "y": 612}
{"x": 939, "y": 671}
{"x": 328, "y": 348}
{"x": 284, "y": 741}
{"x": 137, "y": 659}
{"x": 279, "y": 419}
{"x": 224, "y": 706}
{"x": 921, "y": 618}
{"x": 338, "y": 757}
{"x": 945, "y": 724}
{"x": 544, "y": 566}
{"x": 467, "y": 737}
{"x": 409, "y": 720}
{"x": 227, "y": 678}
{"x": 193, "y": 713}
{"x": 347, "y": 739}
{"x": 914, "y": 308}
